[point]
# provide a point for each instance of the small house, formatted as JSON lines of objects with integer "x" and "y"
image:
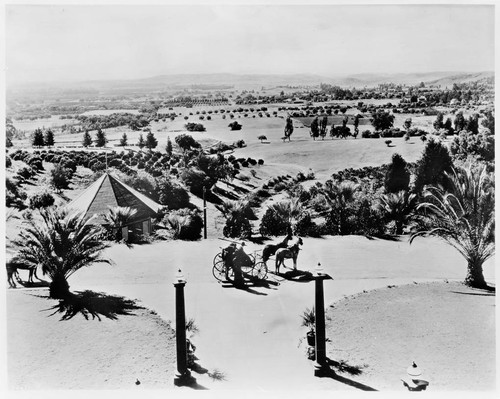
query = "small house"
{"x": 108, "y": 192}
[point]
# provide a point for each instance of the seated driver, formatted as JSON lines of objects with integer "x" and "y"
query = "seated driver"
{"x": 236, "y": 258}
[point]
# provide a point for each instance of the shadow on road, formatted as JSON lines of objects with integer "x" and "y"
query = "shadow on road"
{"x": 331, "y": 374}
{"x": 302, "y": 276}
{"x": 343, "y": 367}
{"x": 95, "y": 304}
{"x": 37, "y": 284}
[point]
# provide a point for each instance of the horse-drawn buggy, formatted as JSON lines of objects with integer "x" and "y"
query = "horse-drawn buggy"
{"x": 233, "y": 263}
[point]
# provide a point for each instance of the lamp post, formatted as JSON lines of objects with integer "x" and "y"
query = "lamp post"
{"x": 204, "y": 213}
{"x": 321, "y": 367}
{"x": 184, "y": 376}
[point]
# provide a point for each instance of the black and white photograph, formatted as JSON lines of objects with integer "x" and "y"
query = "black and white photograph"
{"x": 246, "y": 198}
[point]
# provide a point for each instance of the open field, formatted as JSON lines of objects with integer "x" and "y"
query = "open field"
{"x": 301, "y": 153}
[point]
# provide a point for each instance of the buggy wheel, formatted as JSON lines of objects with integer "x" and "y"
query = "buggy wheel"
{"x": 252, "y": 259}
{"x": 259, "y": 271}
{"x": 219, "y": 270}
{"x": 217, "y": 258}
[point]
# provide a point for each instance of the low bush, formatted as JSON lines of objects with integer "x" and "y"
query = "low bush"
{"x": 235, "y": 125}
{"x": 272, "y": 224}
{"x": 365, "y": 134}
{"x": 195, "y": 127}
{"x": 14, "y": 195}
{"x": 184, "y": 224}
{"x": 26, "y": 172}
{"x": 41, "y": 200}
{"x": 35, "y": 162}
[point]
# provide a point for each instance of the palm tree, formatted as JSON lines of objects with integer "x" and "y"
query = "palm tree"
{"x": 464, "y": 217}
{"x": 398, "y": 207}
{"x": 291, "y": 211}
{"x": 61, "y": 243}
{"x": 338, "y": 198}
{"x": 237, "y": 215}
{"x": 117, "y": 218}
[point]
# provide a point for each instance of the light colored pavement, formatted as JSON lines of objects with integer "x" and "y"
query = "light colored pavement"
{"x": 255, "y": 336}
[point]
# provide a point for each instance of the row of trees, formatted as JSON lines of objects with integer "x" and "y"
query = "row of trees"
{"x": 94, "y": 122}
{"x": 100, "y": 140}
{"x": 42, "y": 138}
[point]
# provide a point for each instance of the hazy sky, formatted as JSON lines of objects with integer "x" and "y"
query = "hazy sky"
{"x": 68, "y": 42}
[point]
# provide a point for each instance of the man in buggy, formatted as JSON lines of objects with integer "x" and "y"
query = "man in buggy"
{"x": 234, "y": 258}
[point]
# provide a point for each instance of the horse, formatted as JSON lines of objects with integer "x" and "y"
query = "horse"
{"x": 12, "y": 267}
{"x": 270, "y": 249}
{"x": 287, "y": 253}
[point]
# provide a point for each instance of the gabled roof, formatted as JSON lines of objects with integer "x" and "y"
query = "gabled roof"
{"x": 108, "y": 192}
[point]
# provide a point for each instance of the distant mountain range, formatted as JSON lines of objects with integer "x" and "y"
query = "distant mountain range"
{"x": 163, "y": 83}
{"x": 358, "y": 80}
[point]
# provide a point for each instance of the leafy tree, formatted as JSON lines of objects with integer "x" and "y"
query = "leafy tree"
{"x": 460, "y": 122}
{"x": 463, "y": 215}
{"x": 41, "y": 200}
{"x": 123, "y": 140}
{"x": 397, "y": 177}
{"x": 448, "y": 126}
{"x": 315, "y": 128}
{"x": 382, "y": 120}
{"x": 87, "y": 140}
{"x": 235, "y": 126}
{"x": 49, "y": 137}
{"x": 194, "y": 127}
{"x": 473, "y": 124}
{"x": 489, "y": 122}
{"x": 62, "y": 243}
{"x": 215, "y": 168}
{"x": 431, "y": 166}
{"x": 118, "y": 217}
{"x": 141, "y": 143}
{"x": 26, "y": 172}
{"x": 100, "y": 139}
{"x": 323, "y": 126}
{"x": 481, "y": 145}
{"x": 356, "y": 121}
{"x": 60, "y": 177}
{"x": 438, "y": 123}
{"x": 10, "y": 131}
{"x": 398, "y": 207}
{"x": 407, "y": 124}
{"x": 37, "y": 138}
{"x": 151, "y": 141}
{"x": 288, "y": 127}
{"x": 186, "y": 142}
{"x": 14, "y": 195}
{"x": 196, "y": 180}
{"x": 171, "y": 193}
{"x": 356, "y": 124}
{"x": 169, "y": 148}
